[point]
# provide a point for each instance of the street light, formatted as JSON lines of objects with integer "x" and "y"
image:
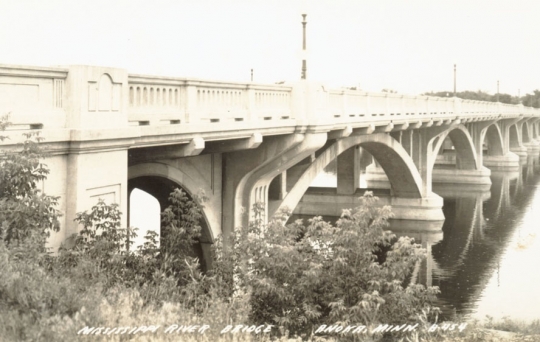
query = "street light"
{"x": 454, "y": 80}
{"x": 304, "y": 66}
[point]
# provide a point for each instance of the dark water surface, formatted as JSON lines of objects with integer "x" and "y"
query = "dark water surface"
{"x": 486, "y": 259}
{"x": 488, "y": 262}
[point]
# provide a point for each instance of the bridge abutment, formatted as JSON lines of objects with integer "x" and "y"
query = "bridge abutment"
{"x": 97, "y": 156}
{"x": 94, "y": 176}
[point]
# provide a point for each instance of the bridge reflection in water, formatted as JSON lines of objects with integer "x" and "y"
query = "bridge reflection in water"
{"x": 482, "y": 257}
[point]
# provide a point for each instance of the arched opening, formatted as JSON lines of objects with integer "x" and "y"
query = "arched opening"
{"x": 397, "y": 169}
{"x": 327, "y": 178}
{"x": 493, "y": 144}
{"x": 144, "y": 214}
{"x": 150, "y": 192}
{"x": 514, "y": 139}
{"x": 455, "y": 150}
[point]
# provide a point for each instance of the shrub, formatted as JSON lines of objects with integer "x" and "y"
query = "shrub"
{"x": 26, "y": 215}
{"x": 303, "y": 276}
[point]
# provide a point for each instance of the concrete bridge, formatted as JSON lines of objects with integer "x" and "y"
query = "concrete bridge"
{"x": 109, "y": 132}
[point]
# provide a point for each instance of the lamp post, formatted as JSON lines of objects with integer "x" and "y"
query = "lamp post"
{"x": 497, "y": 90}
{"x": 454, "y": 80}
{"x": 304, "y": 66}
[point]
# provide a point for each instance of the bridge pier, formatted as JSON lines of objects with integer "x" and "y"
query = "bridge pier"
{"x": 508, "y": 162}
{"x": 533, "y": 147}
{"x": 520, "y": 151}
{"x": 348, "y": 171}
{"x": 326, "y": 202}
{"x": 456, "y": 176}
{"x": 376, "y": 178}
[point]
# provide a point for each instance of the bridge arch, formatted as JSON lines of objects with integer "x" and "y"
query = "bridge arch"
{"x": 515, "y": 140}
{"x": 405, "y": 180}
{"x": 158, "y": 180}
{"x": 494, "y": 138}
{"x": 466, "y": 158}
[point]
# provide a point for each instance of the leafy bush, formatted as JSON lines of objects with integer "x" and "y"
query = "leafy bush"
{"x": 26, "y": 215}
{"x": 301, "y": 276}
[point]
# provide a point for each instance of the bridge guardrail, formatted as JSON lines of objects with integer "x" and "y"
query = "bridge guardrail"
{"x": 156, "y": 100}
{"x": 57, "y": 98}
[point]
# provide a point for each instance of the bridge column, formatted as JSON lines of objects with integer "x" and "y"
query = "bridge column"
{"x": 515, "y": 137}
{"x": 348, "y": 171}
{"x": 97, "y": 160}
{"x": 248, "y": 174}
{"x": 536, "y": 125}
{"x": 533, "y": 147}
{"x": 535, "y": 141}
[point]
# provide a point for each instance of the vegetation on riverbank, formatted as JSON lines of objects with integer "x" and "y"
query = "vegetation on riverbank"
{"x": 281, "y": 282}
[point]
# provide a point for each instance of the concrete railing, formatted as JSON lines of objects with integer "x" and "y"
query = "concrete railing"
{"x": 347, "y": 103}
{"x": 97, "y": 97}
{"x": 34, "y": 97}
{"x": 158, "y": 100}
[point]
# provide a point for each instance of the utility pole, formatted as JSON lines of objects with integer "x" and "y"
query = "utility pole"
{"x": 304, "y": 66}
{"x": 454, "y": 80}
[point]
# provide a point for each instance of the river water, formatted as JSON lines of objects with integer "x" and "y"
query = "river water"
{"x": 486, "y": 260}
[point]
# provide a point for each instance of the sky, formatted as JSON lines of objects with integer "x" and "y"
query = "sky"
{"x": 406, "y": 45}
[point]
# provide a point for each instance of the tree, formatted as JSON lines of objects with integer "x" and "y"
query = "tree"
{"x": 478, "y": 96}
{"x": 353, "y": 272}
{"x": 532, "y": 100}
{"x": 26, "y": 214}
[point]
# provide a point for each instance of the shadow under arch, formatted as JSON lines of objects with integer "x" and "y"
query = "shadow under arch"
{"x": 466, "y": 158}
{"x": 514, "y": 136}
{"x": 494, "y": 138}
{"x": 405, "y": 180}
{"x": 525, "y": 136}
{"x": 157, "y": 180}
